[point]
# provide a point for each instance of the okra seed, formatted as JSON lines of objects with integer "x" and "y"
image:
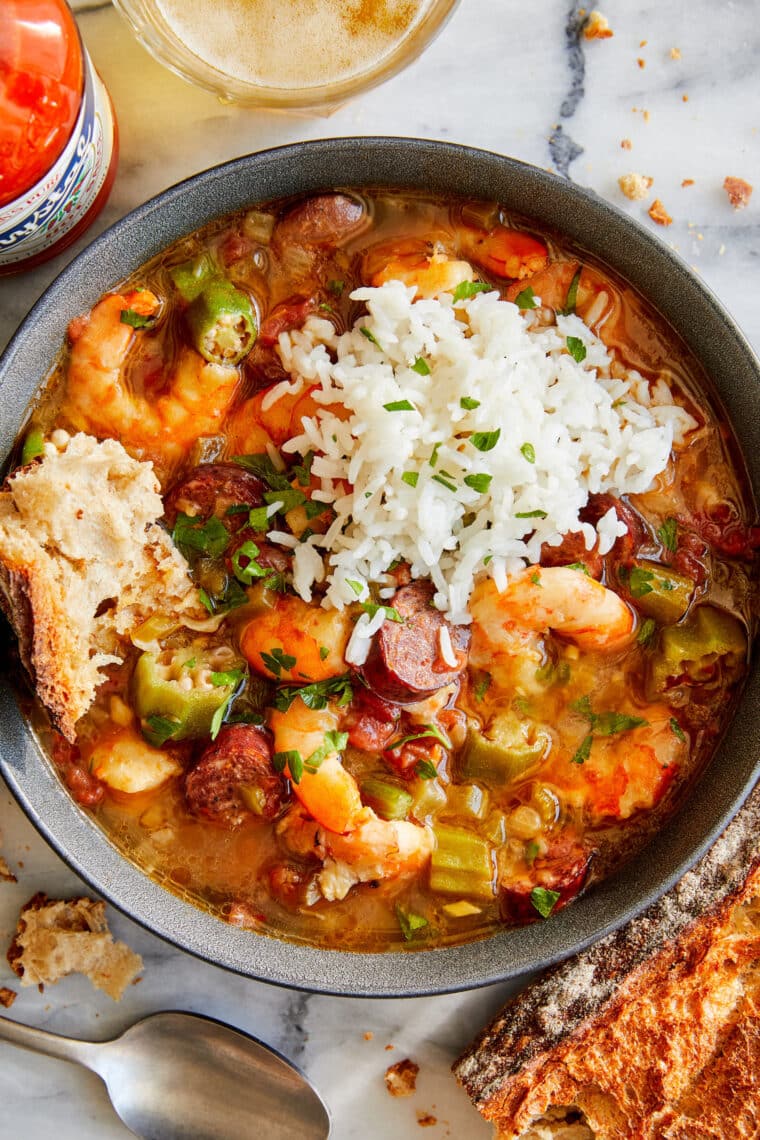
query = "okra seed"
{"x": 524, "y": 822}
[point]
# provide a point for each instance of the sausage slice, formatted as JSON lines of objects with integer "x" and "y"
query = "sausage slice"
{"x": 406, "y": 662}
{"x": 211, "y": 489}
{"x": 239, "y": 758}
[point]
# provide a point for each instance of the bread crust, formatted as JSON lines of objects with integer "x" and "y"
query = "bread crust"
{"x": 654, "y": 1032}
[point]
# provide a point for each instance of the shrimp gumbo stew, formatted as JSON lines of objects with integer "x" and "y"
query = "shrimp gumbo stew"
{"x": 469, "y": 566}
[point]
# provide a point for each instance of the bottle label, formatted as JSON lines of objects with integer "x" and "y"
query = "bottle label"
{"x": 40, "y": 217}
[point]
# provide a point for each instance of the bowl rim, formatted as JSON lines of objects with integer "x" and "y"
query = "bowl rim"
{"x": 630, "y": 249}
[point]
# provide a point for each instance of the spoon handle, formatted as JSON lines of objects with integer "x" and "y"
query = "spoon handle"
{"x": 40, "y": 1041}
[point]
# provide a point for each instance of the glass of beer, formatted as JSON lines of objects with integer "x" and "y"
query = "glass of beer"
{"x": 308, "y": 54}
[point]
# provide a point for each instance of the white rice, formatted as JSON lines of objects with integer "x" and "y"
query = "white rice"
{"x": 566, "y": 429}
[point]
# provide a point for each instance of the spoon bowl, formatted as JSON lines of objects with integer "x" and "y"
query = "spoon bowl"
{"x": 179, "y": 1076}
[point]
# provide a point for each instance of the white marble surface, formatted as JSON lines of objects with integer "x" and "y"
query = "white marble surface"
{"x": 505, "y": 76}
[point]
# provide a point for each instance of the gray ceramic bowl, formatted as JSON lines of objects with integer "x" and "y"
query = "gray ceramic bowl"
{"x": 595, "y": 226}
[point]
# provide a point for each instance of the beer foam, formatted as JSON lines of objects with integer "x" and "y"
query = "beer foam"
{"x": 291, "y": 46}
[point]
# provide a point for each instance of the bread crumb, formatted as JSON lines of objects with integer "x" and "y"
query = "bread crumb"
{"x": 7, "y": 997}
{"x": 688, "y": 182}
{"x": 659, "y": 214}
{"x": 368, "y": 1035}
{"x": 641, "y": 62}
{"x": 597, "y": 27}
{"x": 56, "y": 937}
{"x": 635, "y": 186}
{"x": 626, "y": 144}
{"x": 643, "y": 43}
{"x": 675, "y": 53}
{"x": 426, "y": 1119}
{"x": 646, "y": 116}
{"x": 401, "y": 1078}
{"x": 6, "y": 875}
{"x": 684, "y": 98}
{"x": 739, "y": 192}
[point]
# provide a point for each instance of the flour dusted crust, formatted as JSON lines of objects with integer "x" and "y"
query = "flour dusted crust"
{"x": 83, "y": 562}
{"x": 56, "y": 937}
{"x": 653, "y": 1033}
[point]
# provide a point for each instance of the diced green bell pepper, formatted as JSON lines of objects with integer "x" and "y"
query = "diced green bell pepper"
{"x": 222, "y": 323}
{"x": 162, "y": 697}
{"x": 504, "y": 750}
{"x": 691, "y": 650}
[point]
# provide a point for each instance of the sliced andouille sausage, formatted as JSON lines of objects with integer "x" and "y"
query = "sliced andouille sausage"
{"x": 325, "y": 219}
{"x": 211, "y": 489}
{"x": 234, "y": 780}
{"x": 562, "y": 868}
{"x": 573, "y": 546}
{"x": 287, "y": 315}
{"x": 407, "y": 661}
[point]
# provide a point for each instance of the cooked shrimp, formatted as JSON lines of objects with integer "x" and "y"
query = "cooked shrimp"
{"x": 374, "y": 849}
{"x": 98, "y": 397}
{"x": 295, "y": 641}
{"x": 625, "y": 772}
{"x": 556, "y": 598}
{"x": 504, "y": 252}
{"x": 329, "y": 793}
{"x": 430, "y": 275}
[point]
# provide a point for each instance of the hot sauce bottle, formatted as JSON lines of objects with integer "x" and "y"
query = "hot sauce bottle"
{"x": 58, "y": 140}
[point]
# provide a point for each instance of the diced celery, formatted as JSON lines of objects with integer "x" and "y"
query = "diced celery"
{"x": 385, "y": 797}
{"x": 468, "y": 800}
{"x": 461, "y": 863}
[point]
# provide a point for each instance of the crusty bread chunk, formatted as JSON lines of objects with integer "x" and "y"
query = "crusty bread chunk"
{"x": 56, "y": 937}
{"x": 651, "y": 1034}
{"x": 83, "y": 562}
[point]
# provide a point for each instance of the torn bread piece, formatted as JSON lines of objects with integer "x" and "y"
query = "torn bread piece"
{"x": 651, "y": 1034}
{"x": 6, "y": 875}
{"x": 83, "y": 563}
{"x": 56, "y": 937}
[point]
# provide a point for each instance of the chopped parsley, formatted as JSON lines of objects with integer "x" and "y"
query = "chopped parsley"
{"x": 158, "y": 729}
{"x": 227, "y": 677}
{"x": 467, "y": 289}
{"x": 192, "y": 535}
{"x": 410, "y": 478}
{"x": 421, "y": 367}
{"x": 646, "y": 632}
{"x": 324, "y": 653}
{"x": 288, "y": 499}
{"x": 528, "y": 452}
{"x": 535, "y": 578}
{"x": 478, "y": 482}
{"x": 302, "y": 470}
{"x": 583, "y": 750}
{"x": 530, "y": 514}
{"x": 336, "y": 287}
{"x": 295, "y": 763}
{"x": 544, "y": 900}
{"x": 576, "y": 348}
{"x": 668, "y": 534}
{"x": 261, "y": 465}
{"x": 357, "y": 587}
{"x": 258, "y": 518}
{"x": 371, "y": 608}
{"x": 482, "y": 685}
{"x": 368, "y": 333}
{"x": 277, "y": 661}
{"x": 409, "y": 922}
{"x": 399, "y": 406}
{"x": 434, "y": 454}
{"x": 136, "y": 320}
{"x": 607, "y": 723}
{"x": 485, "y": 440}
{"x": 428, "y": 731}
{"x": 468, "y": 403}
{"x": 251, "y": 570}
{"x": 571, "y": 300}
{"x": 579, "y": 566}
{"x": 640, "y": 581}
{"x": 445, "y": 480}
{"x": 316, "y": 695}
{"x": 426, "y": 770}
{"x": 526, "y": 299}
{"x": 677, "y": 730}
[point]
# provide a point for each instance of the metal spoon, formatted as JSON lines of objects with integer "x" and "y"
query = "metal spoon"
{"x": 178, "y": 1076}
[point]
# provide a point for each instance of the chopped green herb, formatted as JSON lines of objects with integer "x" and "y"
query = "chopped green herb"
{"x": 277, "y": 581}
{"x": 227, "y": 677}
{"x": 410, "y": 478}
{"x": 278, "y": 660}
{"x": 528, "y": 452}
{"x": 409, "y": 923}
{"x": 251, "y": 570}
{"x": 526, "y": 299}
{"x": 324, "y": 653}
{"x": 532, "y": 850}
{"x": 357, "y": 587}
{"x": 485, "y": 440}
{"x": 368, "y": 333}
{"x": 647, "y": 631}
{"x": 261, "y": 465}
{"x": 478, "y": 482}
{"x": 206, "y": 600}
{"x": 159, "y": 729}
{"x": 302, "y": 470}
{"x": 611, "y": 723}
{"x": 136, "y": 320}
{"x": 571, "y": 300}
{"x": 434, "y": 454}
{"x": 668, "y": 534}
{"x": 578, "y": 566}
{"x": 288, "y": 499}
{"x": 325, "y": 308}
{"x": 217, "y": 719}
{"x": 426, "y": 770}
{"x": 583, "y": 751}
{"x": 535, "y": 578}
{"x": 620, "y": 403}
{"x": 399, "y": 406}
{"x": 314, "y": 508}
{"x": 639, "y": 581}
{"x": 482, "y": 685}
{"x": 372, "y": 608}
{"x": 421, "y": 367}
{"x": 193, "y": 535}
{"x": 258, "y": 518}
{"x": 444, "y": 481}
{"x": 236, "y": 509}
{"x": 467, "y": 289}
{"x": 530, "y": 514}
{"x": 677, "y": 730}
{"x": 316, "y": 695}
{"x": 544, "y": 900}
{"x": 292, "y": 760}
{"x": 576, "y": 348}
{"x": 336, "y": 287}
{"x": 428, "y": 731}
{"x": 333, "y": 742}
{"x": 190, "y": 663}
{"x": 468, "y": 403}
